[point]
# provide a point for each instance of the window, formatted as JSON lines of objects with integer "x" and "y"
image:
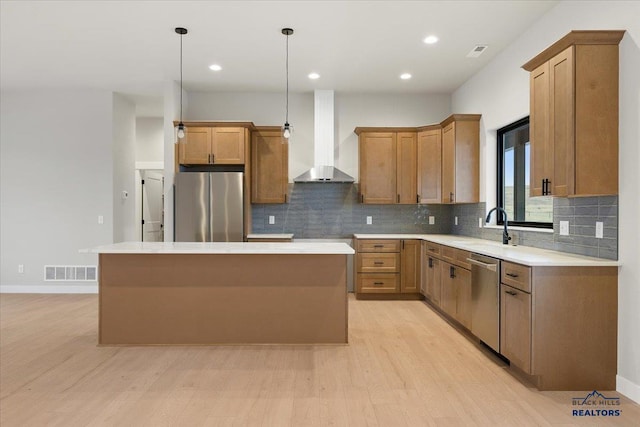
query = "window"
{"x": 514, "y": 159}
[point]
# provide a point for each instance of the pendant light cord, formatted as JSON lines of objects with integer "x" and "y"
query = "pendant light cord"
{"x": 180, "y": 78}
{"x": 287, "y": 69}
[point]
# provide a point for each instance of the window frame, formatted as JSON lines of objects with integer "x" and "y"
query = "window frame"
{"x": 500, "y": 177}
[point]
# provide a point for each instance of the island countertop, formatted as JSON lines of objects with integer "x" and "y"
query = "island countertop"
{"x": 525, "y": 255}
{"x": 315, "y": 248}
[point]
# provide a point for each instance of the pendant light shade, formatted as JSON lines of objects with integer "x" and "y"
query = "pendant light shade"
{"x": 286, "y": 129}
{"x": 181, "y": 31}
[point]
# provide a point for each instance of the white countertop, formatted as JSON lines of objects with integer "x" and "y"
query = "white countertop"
{"x": 282, "y": 236}
{"x": 222, "y": 248}
{"x": 525, "y": 255}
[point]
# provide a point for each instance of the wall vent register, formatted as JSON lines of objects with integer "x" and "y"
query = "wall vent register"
{"x": 70, "y": 273}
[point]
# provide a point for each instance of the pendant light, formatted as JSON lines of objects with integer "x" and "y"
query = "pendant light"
{"x": 286, "y": 130}
{"x": 182, "y": 32}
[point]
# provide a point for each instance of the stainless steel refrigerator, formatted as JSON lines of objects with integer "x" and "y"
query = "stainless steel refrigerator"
{"x": 209, "y": 207}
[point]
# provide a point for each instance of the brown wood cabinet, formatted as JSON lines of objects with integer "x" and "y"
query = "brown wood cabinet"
{"x": 456, "y": 293}
{"x": 429, "y": 167}
{"x": 433, "y": 280}
{"x": 574, "y": 115}
{"x": 269, "y": 166}
{"x": 410, "y": 266}
{"x": 461, "y": 159}
{"x": 390, "y": 268}
{"x": 558, "y": 324}
{"x": 387, "y": 165}
{"x": 213, "y": 145}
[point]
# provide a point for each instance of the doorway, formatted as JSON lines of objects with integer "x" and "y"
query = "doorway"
{"x": 152, "y": 206}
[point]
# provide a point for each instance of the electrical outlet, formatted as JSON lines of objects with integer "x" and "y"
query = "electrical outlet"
{"x": 432, "y": 220}
{"x": 480, "y": 221}
{"x": 100, "y": 219}
{"x": 369, "y": 220}
{"x": 455, "y": 220}
{"x": 21, "y": 268}
{"x": 599, "y": 229}
{"x": 272, "y": 219}
{"x": 564, "y": 228}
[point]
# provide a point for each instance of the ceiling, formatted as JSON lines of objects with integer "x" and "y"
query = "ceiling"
{"x": 356, "y": 46}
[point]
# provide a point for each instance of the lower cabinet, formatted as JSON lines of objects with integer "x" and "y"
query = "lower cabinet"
{"x": 515, "y": 328}
{"x": 432, "y": 280}
{"x": 456, "y": 293}
{"x": 388, "y": 267}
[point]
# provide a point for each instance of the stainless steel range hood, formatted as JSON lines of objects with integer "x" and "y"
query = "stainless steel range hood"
{"x": 324, "y": 170}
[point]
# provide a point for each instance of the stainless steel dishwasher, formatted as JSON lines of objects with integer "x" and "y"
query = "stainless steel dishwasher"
{"x": 485, "y": 299}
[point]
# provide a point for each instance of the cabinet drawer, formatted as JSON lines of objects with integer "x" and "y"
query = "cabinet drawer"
{"x": 433, "y": 249}
{"x": 378, "y": 263}
{"x": 378, "y": 283}
{"x": 378, "y": 246}
{"x": 456, "y": 256}
{"x": 516, "y": 275}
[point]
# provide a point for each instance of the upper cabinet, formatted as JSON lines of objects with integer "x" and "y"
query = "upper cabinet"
{"x": 269, "y": 165}
{"x": 387, "y": 165}
{"x": 213, "y": 144}
{"x": 461, "y": 159}
{"x": 574, "y": 115}
{"x": 429, "y": 164}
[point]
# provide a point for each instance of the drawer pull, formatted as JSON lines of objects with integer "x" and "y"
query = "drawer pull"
{"x": 511, "y": 274}
{"x": 432, "y": 249}
{"x": 379, "y": 262}
{"x": 511, "y": 293}
{"x": 378, "y": 283}
{"x": 378, "y": 246}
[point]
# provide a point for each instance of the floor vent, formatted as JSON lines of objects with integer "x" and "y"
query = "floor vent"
{"x": 477, "y": 51}
{"x": 70, "y": 273}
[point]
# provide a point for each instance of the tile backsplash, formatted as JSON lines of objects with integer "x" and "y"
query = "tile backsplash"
{"x": 333, "y": 211}
{"x": 581, "y": 213}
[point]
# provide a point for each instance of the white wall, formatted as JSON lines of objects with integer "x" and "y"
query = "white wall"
{"x": 501, "y": 93}
{"x": 124, "y": 160}
{"x": 171, "y": 113}
{"x": 56, "y": 177}
{"x": 268, "y": 109}
{"x": 149, "y": 139}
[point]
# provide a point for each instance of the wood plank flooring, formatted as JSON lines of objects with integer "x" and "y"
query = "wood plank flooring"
{"x": 404, "y": 366}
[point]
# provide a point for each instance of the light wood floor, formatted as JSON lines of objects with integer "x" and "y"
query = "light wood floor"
{"x": 404, "y": 366}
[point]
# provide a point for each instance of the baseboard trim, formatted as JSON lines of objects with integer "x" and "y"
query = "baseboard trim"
{"x": 49, "y": 289}
{"x": 628, "y": 388}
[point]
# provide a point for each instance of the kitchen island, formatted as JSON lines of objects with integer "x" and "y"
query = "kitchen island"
{"x": 222, "y": 293}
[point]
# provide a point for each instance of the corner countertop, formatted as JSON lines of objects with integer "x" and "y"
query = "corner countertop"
{"x": 525, "y": 255}
{"x": 238, "y": 248}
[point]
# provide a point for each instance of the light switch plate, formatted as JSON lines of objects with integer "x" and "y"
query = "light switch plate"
{"x": 564, "y": 228}
{"x": 272, "y": 219}
{"x": 432, "y": 219}
{"x": 599, "y": 229}
{"x": 369, "y": 220}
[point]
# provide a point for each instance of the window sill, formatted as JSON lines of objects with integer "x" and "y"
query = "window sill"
{"x": 516, "y": 228}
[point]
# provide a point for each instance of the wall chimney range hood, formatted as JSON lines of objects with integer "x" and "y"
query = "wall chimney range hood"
{"x": 324, "y": 170}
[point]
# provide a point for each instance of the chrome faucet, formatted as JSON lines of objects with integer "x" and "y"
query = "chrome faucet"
{"x": 505, "y": 233}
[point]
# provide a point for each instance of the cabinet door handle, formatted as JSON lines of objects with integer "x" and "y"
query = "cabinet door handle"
{"x": 452, "y": 272}
{"x": 417, "y": 198}
{"x": 511, "y": 274}
{"x": 430, "y": 262}
{"x": 403, "y": 245}
{"x": 398, "y": 198}
{"x": 285, "y": 197}
{"x": 378, "y": 263}
{"x": 361, "y": 198}
{"x": 378, "y": 283}
{"x": 511, "y": 293}
{"x": 451, "y": 197}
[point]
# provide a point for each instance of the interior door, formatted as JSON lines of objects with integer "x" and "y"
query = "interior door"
{"x": 152, "y": 206}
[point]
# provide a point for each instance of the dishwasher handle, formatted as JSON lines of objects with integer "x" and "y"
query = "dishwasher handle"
{"x": 492, "y": 267}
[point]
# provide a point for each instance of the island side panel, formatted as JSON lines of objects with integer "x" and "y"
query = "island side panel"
{"x": 222, "y": 299}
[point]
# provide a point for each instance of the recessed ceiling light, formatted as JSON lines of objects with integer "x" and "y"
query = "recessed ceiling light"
{"x": 430, "y": 40}
{"x": 314, "y": 76}
{"x": 405, "y": 76}
{"x": 215, "y": 67}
